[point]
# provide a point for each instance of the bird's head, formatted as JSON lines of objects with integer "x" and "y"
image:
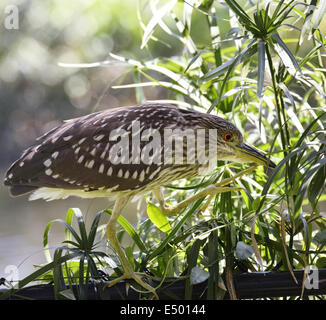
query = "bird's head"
{"x": 231, "y": 145}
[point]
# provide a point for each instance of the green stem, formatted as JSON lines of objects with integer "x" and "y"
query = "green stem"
{"x": 278, "y": 106}
{"x": 280, "y": 112}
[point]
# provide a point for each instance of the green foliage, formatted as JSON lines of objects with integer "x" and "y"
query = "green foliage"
{"x": 156, "y": 215}
{"x": 76, "y": 261}
{"x": 252, "y": 76}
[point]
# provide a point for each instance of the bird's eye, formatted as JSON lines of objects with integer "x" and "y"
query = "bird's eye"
{"x": 228, "y": 137}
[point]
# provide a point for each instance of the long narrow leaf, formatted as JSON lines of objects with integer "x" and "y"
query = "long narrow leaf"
{"x": 192, "y": 257}
{"x": 58, "y": 281}
{"x": 131, "y": 231}
{"x": 46, "y": 236}
{"x": 319, "y": 14}
{"x": 194, "y": 59}
{"x": 261, "y": 68}
{"x": 307, "y": 21}
{"x": 212, "y": 255}
{"x": 192, "y": 91}
{"x": 255, "y": 245}
{"x": 173, "y": 232}
{"x": 283, "y": 237}
{"x": 286, "y": 55}
{"x": 94, "y": 226}
{"x": 159, "y": 14}
{"x": 245, "y": 54}
{"x": 236, "y": 8}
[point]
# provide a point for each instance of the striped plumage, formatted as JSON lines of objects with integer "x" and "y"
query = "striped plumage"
{"x": 89, "y": 157}
{"x": 73, "y": 159}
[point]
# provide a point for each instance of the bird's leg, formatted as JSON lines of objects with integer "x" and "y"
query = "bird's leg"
{"x": 158, "y": 194}
{"x": 210, "y": 191}
{"x": 226, "y": 182}
{"x": 111, "y": 230}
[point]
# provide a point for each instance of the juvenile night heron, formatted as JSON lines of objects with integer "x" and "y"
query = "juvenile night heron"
{"x": 126, "y": 151}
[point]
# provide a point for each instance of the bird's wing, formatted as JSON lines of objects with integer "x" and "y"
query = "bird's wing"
{"x": 82, "y": 153}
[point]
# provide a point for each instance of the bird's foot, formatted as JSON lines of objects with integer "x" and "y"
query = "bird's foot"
{"x": 209, "y": 191}
{"x": 168, "y": 210}
{"x": 137, "y": 276}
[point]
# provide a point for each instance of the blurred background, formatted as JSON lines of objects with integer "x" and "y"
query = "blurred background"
{"x": 36, "y": 94}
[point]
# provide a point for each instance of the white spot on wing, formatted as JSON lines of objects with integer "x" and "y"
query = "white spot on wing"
{"x": 90, "y": 164}
{"x": 48, "y": 172}
{"x": 109, "y": 172}
{"x": 134, "y": 175}
{"x": 98, "y": 137}
{"x": 93, "y": 152}
{"x": 82, "y": 140}
{"x": 154, "y": 173}
{"x": 47, "y": 162}
{"x": 81, "y": 158}
{"x": 67, "y": 138}
{"x": 142, "y": 176}
{"x": 103, "y": 155}
{"x": 55, "y": 154}
{"x": 120, "y": 173}
{"x": 101, "y": 168}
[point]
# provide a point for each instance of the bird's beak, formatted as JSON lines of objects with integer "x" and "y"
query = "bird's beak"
{"x": 249, "y": 154}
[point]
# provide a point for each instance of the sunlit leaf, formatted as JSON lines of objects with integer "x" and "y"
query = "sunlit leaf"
{"x": 319, "y": 14}
{"x": 244, "y": 18}
{"x": 158, "y": 15}
{"x": 156, "y": 215}
{"x": 307, "y": 21}
{"x": 194, "y": 59}
{"x": 261, "y": 68}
